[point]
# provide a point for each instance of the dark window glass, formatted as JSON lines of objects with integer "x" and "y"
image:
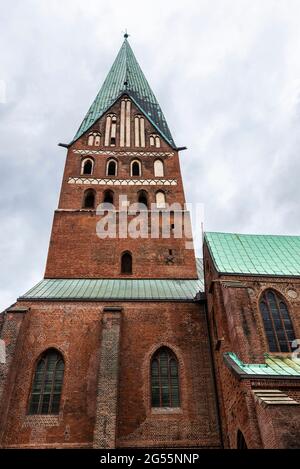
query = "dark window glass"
{"x": 277, "y": 323}
{"x": 47, "y": 384}
{"x": 164, "y": 379}
{"x": 126, "y": 263}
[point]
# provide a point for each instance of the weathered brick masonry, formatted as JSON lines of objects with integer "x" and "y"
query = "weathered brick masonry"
{"x": 83, "y": 332}
{"x": 119, "y": 345}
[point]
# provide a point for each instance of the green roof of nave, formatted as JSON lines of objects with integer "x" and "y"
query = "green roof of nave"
{"x": 269, "y": 255}
{"x": 126, "y": 77}
{"x": 118, "y": 289}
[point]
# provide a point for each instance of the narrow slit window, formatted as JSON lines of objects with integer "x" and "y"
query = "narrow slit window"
{"x": 87, "y": 166}
{"x": 158, "y": 168}
{"x": 111, "y": 168}
{"x": 143, "y": 198}
{"x": 126, "y": 263}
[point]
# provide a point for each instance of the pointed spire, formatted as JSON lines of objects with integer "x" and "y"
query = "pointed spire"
{"x": 126, "y": 76}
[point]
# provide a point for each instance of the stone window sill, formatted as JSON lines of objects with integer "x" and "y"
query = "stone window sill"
{"x": 42, "y": 420}
{"x": 166, "y": 410}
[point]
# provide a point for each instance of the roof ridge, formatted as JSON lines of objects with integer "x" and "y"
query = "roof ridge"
{"x": 252, "y": 234}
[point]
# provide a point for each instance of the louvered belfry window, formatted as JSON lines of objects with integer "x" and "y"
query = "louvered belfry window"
{"x": 47, "y": 384}
{"x": 164, "y": 379}
{"x": 277, "y": 322}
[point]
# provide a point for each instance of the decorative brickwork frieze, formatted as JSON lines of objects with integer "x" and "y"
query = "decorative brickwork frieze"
{"x": 108, "y": 381}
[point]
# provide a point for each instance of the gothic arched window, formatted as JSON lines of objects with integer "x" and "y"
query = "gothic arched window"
{"x": 164, "y": 379}
{"x": 135, "y": 168}
{"x": 126, "y": 263}
{"x": 87, "y": 166}
{"x": 47, "y": 383}
{"x": 111, "y": 168}
{"x": 89, "y": 199}
{"x": 277, "y": 322}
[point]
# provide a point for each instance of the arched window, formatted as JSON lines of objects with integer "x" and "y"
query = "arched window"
{"x": 108, "y": 197}
{"x": 135, "y": 168}
{"x": 164, "y": 379}
{"x": 277, "y": 323}
{"x": 143, "y": 198}
{"x": 160, "y": 199}
{"x": 126, "y": 263}
{"x": 113, "y": 130}
{"x": 158, "y": 168}
{"x": 125, "y": 123}
{"x": 111, "y": 168}
{"x": 87, "y": 166}
{"x": 139, "y": 131}
{"x": 110, "y": 130}
{"x": 89, "y": 199}
{"x": 241, "y": 442}
{"x": 47, "y": 384}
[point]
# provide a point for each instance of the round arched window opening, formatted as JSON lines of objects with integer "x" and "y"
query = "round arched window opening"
{"x": 136, "y": 168}
{"x": 126, "y": 263}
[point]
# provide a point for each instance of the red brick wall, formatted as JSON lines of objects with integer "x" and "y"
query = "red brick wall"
{"x": 76, "y": 251}
{"x": 235, "y": 319}
{"x": 75, "y": 330}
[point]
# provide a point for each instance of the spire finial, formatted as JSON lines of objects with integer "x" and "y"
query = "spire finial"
{"x": 126, "y": 35}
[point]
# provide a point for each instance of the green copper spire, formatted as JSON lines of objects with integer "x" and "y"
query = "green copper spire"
{"x": 126, "y": 76}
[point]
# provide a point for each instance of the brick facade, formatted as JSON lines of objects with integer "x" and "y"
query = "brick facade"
{"x": 87, "y": 336}
{"x": 107, "y": 347}
{"x": 236, "y": 325}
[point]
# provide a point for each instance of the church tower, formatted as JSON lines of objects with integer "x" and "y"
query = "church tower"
{"x": 111, "y": 348}
{"x": 123, "y": 154}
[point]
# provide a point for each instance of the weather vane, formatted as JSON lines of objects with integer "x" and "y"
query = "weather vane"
{"x": 126, "y": 35}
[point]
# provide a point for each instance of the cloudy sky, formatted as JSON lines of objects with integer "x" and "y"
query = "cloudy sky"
{"x": 226, "y": 73}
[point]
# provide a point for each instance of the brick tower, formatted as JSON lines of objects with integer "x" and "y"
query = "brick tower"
{"x": 111, "y": 348}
